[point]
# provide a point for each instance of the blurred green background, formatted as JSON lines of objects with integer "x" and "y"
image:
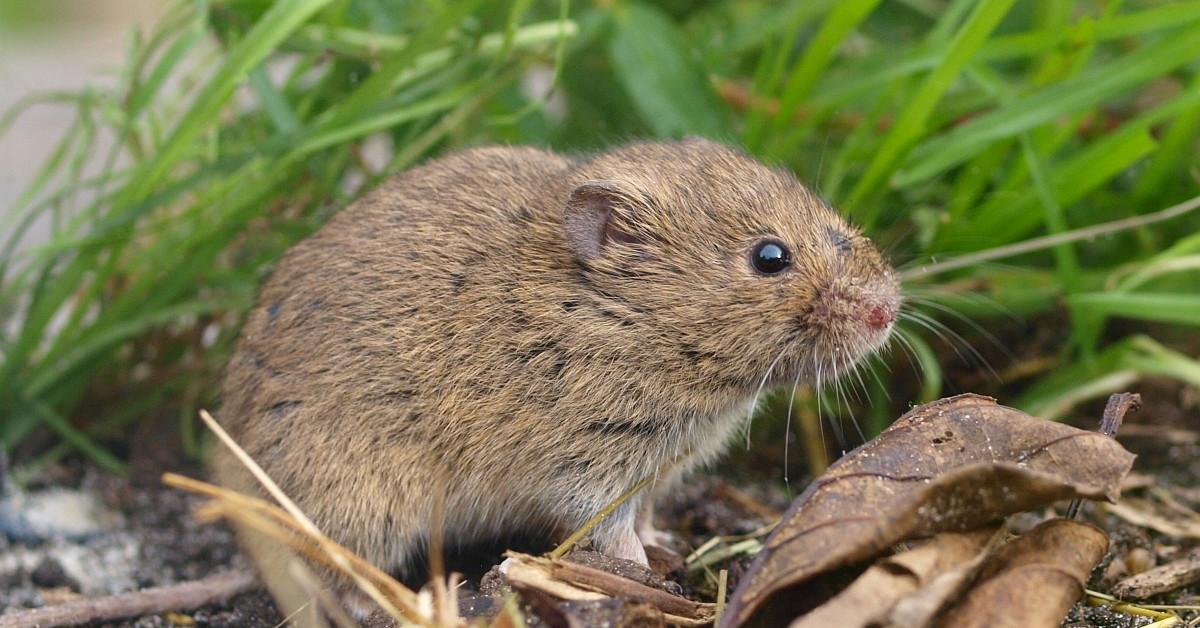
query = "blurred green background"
{"x": 232, "y": 128}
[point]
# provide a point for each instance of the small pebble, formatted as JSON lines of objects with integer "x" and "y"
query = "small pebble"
{"x": 1139, "y": 559}
{"x": 49, "y": 574}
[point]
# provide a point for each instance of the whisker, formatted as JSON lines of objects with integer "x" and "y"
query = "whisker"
{"x": 974, "y": 298}
{"x": 761, "y": 384}
{"x": 883, "y": 356}
{"x": 843, "y": 399}
{"x": 979, "y": 329}
{"x": 856, "y": 371}
{"x": 890, "y": 248}
{"x": 853, "y": 370}
{"x": 820, "y": 417}
{"x": 929, "y": 325}
{"x": 978, "y": 357}
{"x": 914, "y": 361}
{"x": 909, "y": 352}
{"x": 950, "y": 337}
{"x": 787, "y": 429}
{"x": 879, "y": 380}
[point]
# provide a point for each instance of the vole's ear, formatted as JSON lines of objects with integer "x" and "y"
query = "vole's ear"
{"x": 591, "y": 218}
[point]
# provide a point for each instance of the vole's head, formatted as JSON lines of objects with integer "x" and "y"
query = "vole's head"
{"x": 721, "y": 268}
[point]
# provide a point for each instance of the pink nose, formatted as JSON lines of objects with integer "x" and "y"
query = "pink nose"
{"x": 880, "y": 316}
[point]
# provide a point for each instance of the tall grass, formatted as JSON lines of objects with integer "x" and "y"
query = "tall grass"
{"x": 944, "y": 127}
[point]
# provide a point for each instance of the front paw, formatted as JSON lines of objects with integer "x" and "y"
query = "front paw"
{"x": 619, "y": 540}
{"x": 650, "y": 535}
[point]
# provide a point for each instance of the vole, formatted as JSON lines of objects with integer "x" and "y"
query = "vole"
{"x": 526, "y": 336}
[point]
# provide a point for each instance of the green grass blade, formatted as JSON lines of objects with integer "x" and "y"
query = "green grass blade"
{"x": 845, "y": 17}
{"x": 280, "y": 20}
{"x": 1157, "y": 268}
{"x": 1103, "y": 82}
{"x": 43, "y": 379}
{"x": 1115, "y": 369}
{"x": 273, "y": 102}
{"x": 74, "y": 437}
{"x": 927, "y": 364}
{"x": 383, "y": 120}
{"x": 1180, "y": 309}
{"x": 911, "y": 123}
{"x": 659, "y": 72}
{"x": 1006, "y": 218}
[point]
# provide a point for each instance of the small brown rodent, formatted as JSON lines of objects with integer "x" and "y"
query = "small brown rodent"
{"x": 529, "y": 335}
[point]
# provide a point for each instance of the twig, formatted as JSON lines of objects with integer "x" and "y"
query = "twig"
{"x": 1114, "y": 413}
{"x": 1050, "y": 241}
{"x": 620, "y": 586}
{"x": 1169, "y": 577}
{"x": 748, "y": 502}
{"x": 610, "y": 584}
{"x": 176, "y": 597}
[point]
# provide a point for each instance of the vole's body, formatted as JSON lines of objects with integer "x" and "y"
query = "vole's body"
{"x": 528, "y": 336}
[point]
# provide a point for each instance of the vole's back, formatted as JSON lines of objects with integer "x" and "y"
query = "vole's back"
{"x": 371, "y": 338}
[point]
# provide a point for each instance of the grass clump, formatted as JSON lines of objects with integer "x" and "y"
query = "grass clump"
{"x": 945, "y": 128}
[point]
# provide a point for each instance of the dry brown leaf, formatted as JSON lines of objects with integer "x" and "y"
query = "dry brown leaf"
{"x": 1148, "y": 513}
{"x": 955, "y": 464}
{"x": 872, "y": 597}
{"x": 1161, "y": 579}
{"x": 1033, "y": 580}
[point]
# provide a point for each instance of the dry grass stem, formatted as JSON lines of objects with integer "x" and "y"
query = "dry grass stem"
{"x": 399, "y": 601}
{"x": 722, "y": 592}
{"x": 1096, "y": 598}
{"x": 366, "y": 577}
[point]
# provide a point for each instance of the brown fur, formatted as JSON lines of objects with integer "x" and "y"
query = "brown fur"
{"x": 453, "y": 333}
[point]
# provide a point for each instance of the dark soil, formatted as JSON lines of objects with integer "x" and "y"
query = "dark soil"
{"x": 154, "y": 533}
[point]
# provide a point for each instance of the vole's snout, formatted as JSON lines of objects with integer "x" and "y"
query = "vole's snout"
{"x": 881, "y": 316}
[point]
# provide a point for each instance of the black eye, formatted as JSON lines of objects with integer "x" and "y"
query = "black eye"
{"x": 770, "y": 257}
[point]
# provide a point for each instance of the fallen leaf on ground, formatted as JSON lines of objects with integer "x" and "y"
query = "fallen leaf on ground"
{"x": 956, "y": 464}
{"x": 870, "y": 600}
{"x": 1033, "y": 580}
{"x": 1148, "y": 513}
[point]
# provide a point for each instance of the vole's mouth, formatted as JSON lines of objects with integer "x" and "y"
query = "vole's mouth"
{"x": 838, "y": 333}
{"x": 849, "y": 321}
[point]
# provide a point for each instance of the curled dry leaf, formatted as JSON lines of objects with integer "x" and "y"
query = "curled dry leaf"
{"x": 922, "y": 578}
{"x": 956, "y": 464}
{"x": 1033, "y": 580}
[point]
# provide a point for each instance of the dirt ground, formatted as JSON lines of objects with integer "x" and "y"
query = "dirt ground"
{"x": 135, "y": 533}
